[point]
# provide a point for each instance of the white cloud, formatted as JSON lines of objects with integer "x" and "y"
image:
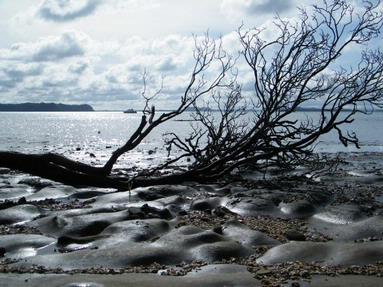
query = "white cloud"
{"x": 75, "y": 68}
{"x": 67, "y": 45}
{"x": 72, "y": 67}
{"x": 103, "y": 64}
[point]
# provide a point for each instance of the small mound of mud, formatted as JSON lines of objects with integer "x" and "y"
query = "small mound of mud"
{"x": 328, "y": 253}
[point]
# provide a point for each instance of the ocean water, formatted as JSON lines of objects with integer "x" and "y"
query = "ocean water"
{"x": 78, "y": 134}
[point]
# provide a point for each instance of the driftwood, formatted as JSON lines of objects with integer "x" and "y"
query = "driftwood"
{"x": 64, "y": 170}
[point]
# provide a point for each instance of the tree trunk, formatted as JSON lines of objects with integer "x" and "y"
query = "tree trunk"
{"x": 61, "y": 169}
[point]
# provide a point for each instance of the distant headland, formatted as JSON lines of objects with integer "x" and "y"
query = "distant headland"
{"x": 44, "y": 107}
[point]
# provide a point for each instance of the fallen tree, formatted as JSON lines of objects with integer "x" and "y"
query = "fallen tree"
{"x": 207, "y": 53}
{"x": 301, "y": 65}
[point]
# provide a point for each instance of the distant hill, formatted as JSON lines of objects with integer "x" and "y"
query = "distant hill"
{"x": 44, "y": 107}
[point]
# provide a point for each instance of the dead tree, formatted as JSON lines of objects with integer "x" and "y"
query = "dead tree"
{"x": 302, "y": 64}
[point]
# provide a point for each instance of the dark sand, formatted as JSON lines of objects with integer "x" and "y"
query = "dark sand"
{"x": 249, "y": 232}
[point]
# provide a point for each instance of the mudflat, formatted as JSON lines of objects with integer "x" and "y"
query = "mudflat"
{"x": 247, "y": 231}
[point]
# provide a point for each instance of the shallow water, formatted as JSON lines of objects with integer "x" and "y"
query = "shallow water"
{"x": 77, "y": 134}
{"x": 65, "y": 131}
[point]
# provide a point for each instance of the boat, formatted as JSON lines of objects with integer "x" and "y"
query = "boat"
{"x": 130, "y": 111}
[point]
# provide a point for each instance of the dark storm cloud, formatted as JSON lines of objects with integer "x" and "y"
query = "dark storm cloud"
{"x": 67, "y": 10}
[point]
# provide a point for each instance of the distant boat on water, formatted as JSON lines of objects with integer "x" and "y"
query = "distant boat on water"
{"x": 130, "y": 111}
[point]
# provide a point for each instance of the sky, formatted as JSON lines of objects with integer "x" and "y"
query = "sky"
{"x": 95, "y": 51}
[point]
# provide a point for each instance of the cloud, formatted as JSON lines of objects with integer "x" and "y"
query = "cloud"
{"x": 67, "y": 45}
{"x": 261, "y": 8}
{"x": 74, "y": 68}
{"x": 67, "y": 10}
{"x": 19, "y": 70}
{"x": 167, "y": 64}
{"x": 78, "y": 68}
{"x": 270, "y": 6}
{"x": 12, "y": 74}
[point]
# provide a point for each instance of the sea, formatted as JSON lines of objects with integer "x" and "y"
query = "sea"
{"x": 92, "y": 136}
